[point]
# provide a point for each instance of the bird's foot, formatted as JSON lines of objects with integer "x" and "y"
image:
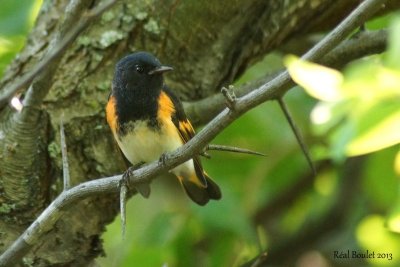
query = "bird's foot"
{"x": 163, "y": 159}
{"x": 142, "y": 188}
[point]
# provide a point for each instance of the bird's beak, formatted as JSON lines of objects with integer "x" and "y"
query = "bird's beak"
{"x": 160, "y": 69}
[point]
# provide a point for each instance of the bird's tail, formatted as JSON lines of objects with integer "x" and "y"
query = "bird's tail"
{"x": 198, "y": 192}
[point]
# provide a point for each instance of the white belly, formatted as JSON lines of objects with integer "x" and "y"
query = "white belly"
{"x": 146, "y": 146}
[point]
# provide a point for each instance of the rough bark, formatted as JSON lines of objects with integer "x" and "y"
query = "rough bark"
{"x": 209, "y": 43}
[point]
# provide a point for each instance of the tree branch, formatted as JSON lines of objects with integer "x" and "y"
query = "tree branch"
{"x": 360, "y": 45}
{"x": 66, "y": 177}
{"x": 51, "y": 57}
{"x": 273, "y": 89}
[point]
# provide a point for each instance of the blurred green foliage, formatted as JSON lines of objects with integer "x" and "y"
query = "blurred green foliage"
{"x": 268, "y": 202}
{"x": 359, "y": 113}
{"x": 16, "y": 19}
{"x": 358, "y": 109}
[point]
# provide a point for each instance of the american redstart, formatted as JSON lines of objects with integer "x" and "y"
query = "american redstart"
{"x": 147, "y": 119}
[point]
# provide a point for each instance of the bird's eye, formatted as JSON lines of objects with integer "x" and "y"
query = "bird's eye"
{"x": 139, "y": 69}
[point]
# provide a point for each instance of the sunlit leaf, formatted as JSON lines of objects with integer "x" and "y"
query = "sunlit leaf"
{"x": 397, "y": 163}
{"x": 393, "y": 220}
{"x": 321, "y": 114}
{"x": 378, "y": 128}
{"x": 327, "y": 115}
{"x": 393, "y": 53}
{"x": 340, "y": 138}
{"x": 370, "y": 80}
{"x": 16, "y": 18}
{"x": 380, "y": 183}
{"x": 320, "y": 82}
{"x": 380, "y": 22}
{"x": 394, "y": 223}
{"x": 325, "y": 183}
{"x": 374, "y": 236}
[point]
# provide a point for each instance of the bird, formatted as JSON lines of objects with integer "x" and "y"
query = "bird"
{"x": 148, "y": 120}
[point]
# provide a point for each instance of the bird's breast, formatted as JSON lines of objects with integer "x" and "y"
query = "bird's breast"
{"x": 143, "y": 143}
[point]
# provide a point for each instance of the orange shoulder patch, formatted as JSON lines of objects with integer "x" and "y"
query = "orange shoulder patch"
{"x": 111, "y": 114}
{"x": 165, "y": 107}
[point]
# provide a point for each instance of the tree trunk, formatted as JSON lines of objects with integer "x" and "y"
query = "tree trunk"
{"x": 209, "y": 44}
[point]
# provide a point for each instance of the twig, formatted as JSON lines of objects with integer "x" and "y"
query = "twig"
{"x": 230, "y": 96}
{"x": 298, "y": 135}
{"x": 8, "y": 92}
{"x": 66, "y": 177}
{"x": 122, "y": 205}
{"x": 260, "y": 260}
{"x": 233, "y": 149}
{"x": 269, "y": 91}
{"x": 205, "y": 154}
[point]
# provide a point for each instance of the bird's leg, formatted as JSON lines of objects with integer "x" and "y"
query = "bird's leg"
{"x": 142, "y": 188}
{"x": 129, "y": 173}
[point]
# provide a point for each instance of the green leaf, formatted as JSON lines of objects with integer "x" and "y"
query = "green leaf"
{"x": 380, "y": 183}
{"x": 320, "y": 82}
{"x": 393, "y": 219}
{"x": 327, "y": 115}
{"x": 368, "y": 80}
{"x": 378, "y": 127}
{"x": 16, "y": 19}
{"x": 393, "y": 54}
{"x": 340, "y": 138}
{"x": 397, "y": 163}
{"x": 372, "y": 234}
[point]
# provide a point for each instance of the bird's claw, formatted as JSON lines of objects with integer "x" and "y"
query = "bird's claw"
{"x": 163, "y": 159}
{"x": 142, "y": 188}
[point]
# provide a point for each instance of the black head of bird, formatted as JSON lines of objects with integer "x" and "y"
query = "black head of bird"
{"x": 140, "y": 71}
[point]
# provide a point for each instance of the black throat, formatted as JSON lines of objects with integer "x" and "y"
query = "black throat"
{"x": 137, "y": 86}
{"x": 136, "y": 104}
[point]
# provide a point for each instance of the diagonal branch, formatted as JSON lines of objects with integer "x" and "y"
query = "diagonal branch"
{"x": 363, "y": 44}
{"x": 273, "y": 89}
{"x": 7, "y": 93}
